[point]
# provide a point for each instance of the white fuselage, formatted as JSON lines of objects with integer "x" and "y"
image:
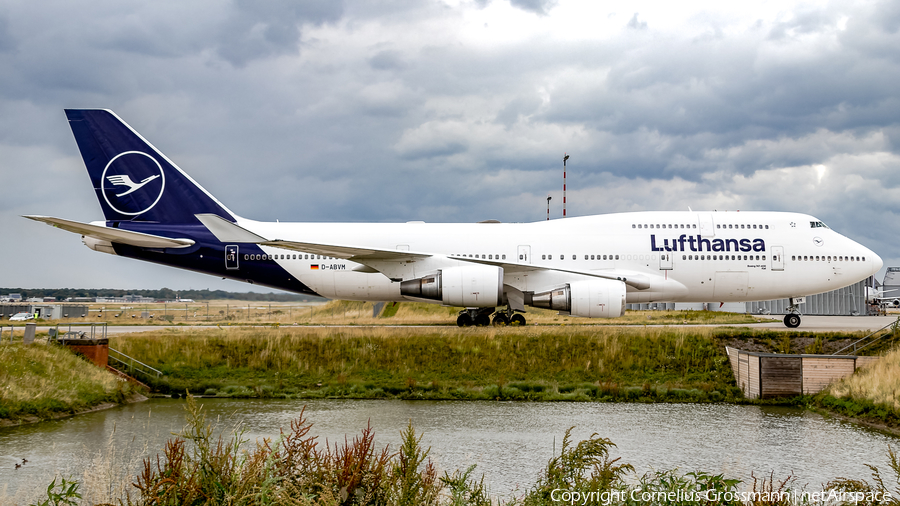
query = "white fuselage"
{"x": 676, "y": 256}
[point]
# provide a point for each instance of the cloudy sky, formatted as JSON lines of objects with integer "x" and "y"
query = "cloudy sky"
{"x": 452, "y": 111}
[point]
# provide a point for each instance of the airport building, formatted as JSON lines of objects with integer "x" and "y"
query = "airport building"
{"x": 126, "y": 299}
{"x": 891, "y": 286}
{"x": 847, "y": 301}
{"x": 45, "y": 311}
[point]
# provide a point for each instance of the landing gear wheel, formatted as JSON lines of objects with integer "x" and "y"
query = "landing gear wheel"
{"x": 517, "y": 320}
{"x": 482, "y": 320}
{"x": 500, "y": 320}
{"x": 464, "y": 320}
{"x": 792, "y": 321}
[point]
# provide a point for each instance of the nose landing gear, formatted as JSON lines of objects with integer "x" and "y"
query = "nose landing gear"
{"x": 792, "y": 319}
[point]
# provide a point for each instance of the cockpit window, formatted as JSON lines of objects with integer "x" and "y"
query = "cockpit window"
{"x": 817, "y": 224}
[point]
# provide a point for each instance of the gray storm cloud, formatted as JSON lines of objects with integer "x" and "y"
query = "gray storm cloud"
{"x": 454, "y": 111}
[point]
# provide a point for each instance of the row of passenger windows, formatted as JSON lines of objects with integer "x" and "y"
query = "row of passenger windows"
{"x": 586, "y": 257}
{"x": 723, "y": 257}
{"x": 796, "y": 258}
{"x": 822, "y": 258}
{"x": 742, "y": 225}
{"x": 694, "y": 225}
{"x": 301, "y": 256}
{"x": 639, "y": 225}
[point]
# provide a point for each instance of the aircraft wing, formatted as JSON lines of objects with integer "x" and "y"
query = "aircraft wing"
{"x": 354, "y": 253}
{"x": 226, "y": 231}
{"x": 116, "y": 235}
{"x": 635, "y": 279}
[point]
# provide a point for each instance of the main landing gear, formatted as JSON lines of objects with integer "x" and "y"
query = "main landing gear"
{"x": 792, "y": 319}
{"x": 481, "y": 317}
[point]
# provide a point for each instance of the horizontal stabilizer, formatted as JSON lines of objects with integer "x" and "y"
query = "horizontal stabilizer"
{"x": 116, "y": 235}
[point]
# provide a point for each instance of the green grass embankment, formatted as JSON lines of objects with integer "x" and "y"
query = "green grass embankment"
{"x": 643, "y": 364}
{"x": 564, "y": 363}
{"x": 40, "y": 381}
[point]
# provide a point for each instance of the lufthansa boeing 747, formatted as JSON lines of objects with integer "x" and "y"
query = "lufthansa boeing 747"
{"x": 587, "y": 266}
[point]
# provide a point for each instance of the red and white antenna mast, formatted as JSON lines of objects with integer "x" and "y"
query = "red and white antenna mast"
{"x": 565, "y": 157}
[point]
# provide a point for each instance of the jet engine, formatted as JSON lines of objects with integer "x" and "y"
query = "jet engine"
{"x": 467, "y": 286}
{"x": 598, "y": 298}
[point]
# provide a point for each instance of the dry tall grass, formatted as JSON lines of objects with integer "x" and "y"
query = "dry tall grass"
{"x": 411, "y": 313}
{"x": 878, "y": 383}
{"x": 339, "y": 312}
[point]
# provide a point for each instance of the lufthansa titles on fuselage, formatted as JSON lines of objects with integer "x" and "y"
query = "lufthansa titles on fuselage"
{"x": 698, "y": 243}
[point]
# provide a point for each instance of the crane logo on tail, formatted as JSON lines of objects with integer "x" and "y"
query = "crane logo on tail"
{"x": 126, "y": 181}
{"x": 132, "y": 182}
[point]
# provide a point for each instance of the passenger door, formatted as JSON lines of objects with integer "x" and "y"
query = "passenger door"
{"x": 665, "y": 261}
{"x": 777, "y": 258}
{"x": 707, "y": 227}
{"x": 524, "y": 254}
{"x": 231, "y": 257}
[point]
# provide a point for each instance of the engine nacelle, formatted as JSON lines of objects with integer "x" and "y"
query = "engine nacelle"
{"x": 598, "y": 298}
{"x": 467, "y": 286}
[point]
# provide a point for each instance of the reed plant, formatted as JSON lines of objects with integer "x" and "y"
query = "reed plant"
{"x": 41, "y": 381}
{"x": 198, "y": 468}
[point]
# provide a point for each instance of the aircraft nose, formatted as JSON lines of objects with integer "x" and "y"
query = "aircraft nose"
{"x": 877, "y": 262}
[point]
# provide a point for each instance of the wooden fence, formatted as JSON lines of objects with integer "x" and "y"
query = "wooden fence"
{"x": 767, "y": 375}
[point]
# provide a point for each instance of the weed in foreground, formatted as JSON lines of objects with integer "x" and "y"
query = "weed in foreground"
{"x": 862, "y": 493}
{"x": 585, "y": 467}
{"x": 197, "y": 468}
{"x": 66, "y": 494}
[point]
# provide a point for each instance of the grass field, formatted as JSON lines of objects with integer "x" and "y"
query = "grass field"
{"x": 528, "y": 363}
{"x": 41, "y": 381}
{"x": 359, "y": 313}
{"x": 542, "y": 363}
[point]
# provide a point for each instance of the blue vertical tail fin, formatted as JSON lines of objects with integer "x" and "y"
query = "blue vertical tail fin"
{"x": 134, "y": 181}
